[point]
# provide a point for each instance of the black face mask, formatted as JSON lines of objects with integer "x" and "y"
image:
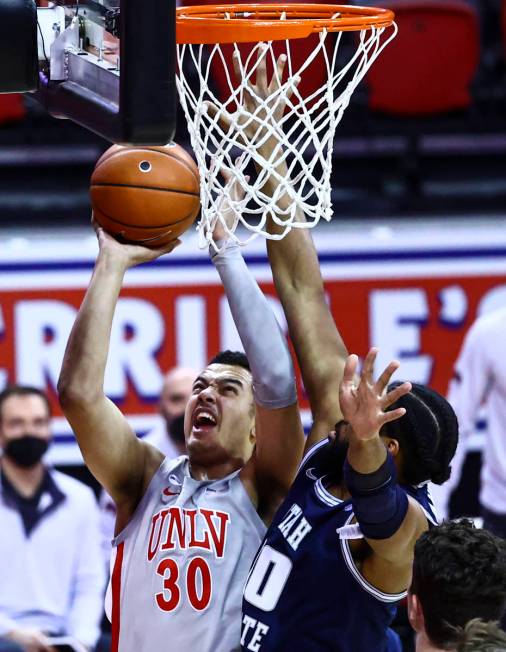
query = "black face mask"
{"x": 26, "y": 451}
{"x": 177, "y": 429}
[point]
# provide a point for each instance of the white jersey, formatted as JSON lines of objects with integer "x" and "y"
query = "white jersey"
{"x": 480, "y": 379}
{"x": 181, "y": 564}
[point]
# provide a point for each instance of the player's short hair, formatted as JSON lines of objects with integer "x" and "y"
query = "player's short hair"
{"x": 481, "y": 636}
{"x": 23, "y": 390}
{"x": 427, "y": 434}
{"x": 234, "y": 358}
{"x": 459, "y": 573}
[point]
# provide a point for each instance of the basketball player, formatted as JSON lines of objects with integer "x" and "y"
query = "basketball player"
{"x": 459, "y": 573}
{"x": 338, "y": 554}
{"x": 188, "y": 529}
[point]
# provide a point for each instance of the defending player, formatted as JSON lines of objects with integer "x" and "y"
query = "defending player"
{"x": 338, "y": 554}
{"x": 188, "y": 529}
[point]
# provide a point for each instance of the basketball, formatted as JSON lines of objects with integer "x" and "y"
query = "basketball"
{"x": 145, "y": 195}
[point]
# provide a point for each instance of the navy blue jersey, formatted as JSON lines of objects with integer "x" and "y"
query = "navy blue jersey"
{"x": 304, "y": 591}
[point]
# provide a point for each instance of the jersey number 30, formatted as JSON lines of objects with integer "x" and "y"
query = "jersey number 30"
{"x": 198, "y": 584}
{"x": 267, "y": 579}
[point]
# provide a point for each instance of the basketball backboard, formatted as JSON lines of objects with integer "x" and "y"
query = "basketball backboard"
{"x": 108, "y": 65}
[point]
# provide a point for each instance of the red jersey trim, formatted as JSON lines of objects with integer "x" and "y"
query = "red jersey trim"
{"x": 116, "y": 592}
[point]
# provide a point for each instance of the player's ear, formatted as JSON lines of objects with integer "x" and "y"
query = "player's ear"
{"x": 415, "y": 613}
{"x": 392, "y": 446}
{"x": 252, "y": 435}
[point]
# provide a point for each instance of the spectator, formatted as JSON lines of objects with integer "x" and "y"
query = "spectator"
{"x": 51, "y": 569}
{"x": 459, "y": 573}
{"x": 167, "y": 436}
{"x": 480, "y": 636}
{"x": 480, "y": 378}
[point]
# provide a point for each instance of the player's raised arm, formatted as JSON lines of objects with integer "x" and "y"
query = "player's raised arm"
{"x": 320, "y": 350}
{"x": 389, "y": 520}
{"x": 279, "y": 434}
{"x": 111, "y": 450}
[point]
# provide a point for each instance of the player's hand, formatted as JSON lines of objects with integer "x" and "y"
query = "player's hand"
{"x": 30, "y": 640}
{"x": 128, "y": 255}
{"x": 364, "y": 406}
{"x": 227, "y": 214}
{"x": 258, "y": 117}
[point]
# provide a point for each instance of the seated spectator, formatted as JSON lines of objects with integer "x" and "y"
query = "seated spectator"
{"x": 459, "y": 573}
{"x": 480, "y": 636}
{"x": 51, "y": 569}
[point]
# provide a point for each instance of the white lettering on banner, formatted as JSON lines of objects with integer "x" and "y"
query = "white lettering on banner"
{"x": 3, "y": 372}
{"x": 137, "y": 333}
{"x": 191, "y": 329}
{"x": 396, "y": 317}
{"x": 42, "y": 329}
{"x": 454, "y": 304}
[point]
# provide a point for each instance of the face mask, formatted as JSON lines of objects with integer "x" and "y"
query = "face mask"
{"x": 26, "y": 451}
{"x": 177, "y": 429}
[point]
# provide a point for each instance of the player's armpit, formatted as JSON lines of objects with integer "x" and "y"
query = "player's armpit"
{"x": 116, "y": 457}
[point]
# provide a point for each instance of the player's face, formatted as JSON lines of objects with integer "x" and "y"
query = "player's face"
{"x": 22, "y": 415}
{"x": 220, "y": 415}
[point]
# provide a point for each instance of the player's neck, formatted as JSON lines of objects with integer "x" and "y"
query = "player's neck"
{"x": 338, "y": 491}
{"x": 180, "y": 447}
{"x": 213, "y": 471}
{"x": 25, "y": 481}
{"x": 423, "y": 644}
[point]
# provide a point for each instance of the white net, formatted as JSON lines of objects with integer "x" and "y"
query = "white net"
{"x": 300, "y": 113}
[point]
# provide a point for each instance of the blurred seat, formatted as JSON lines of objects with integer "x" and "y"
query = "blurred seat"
{"x": 429, "y": 66}
{"x": 12, "y": 107}
{"x": 300, "y": 50}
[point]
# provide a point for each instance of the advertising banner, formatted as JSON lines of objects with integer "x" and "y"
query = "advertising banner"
{"x": 413, "y": 293}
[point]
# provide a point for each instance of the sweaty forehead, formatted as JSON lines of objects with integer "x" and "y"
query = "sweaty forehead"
{"x": 219, "y": 371}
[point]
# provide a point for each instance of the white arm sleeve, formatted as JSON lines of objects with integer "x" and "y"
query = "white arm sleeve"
{"x": 261, "y": 336}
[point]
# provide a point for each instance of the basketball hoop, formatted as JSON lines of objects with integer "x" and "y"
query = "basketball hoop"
{"x": 313, "y": 93}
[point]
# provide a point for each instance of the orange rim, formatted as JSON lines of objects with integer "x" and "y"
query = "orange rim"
{"x": 247, "y": 23}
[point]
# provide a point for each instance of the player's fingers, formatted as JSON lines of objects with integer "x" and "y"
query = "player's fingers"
{"x": 95, "y": 225}
{"x": 384, "y": 379}
{"x": 261, "y": 73}
{"x": 236, "y": 62}
{"x": 156, "y": 252}
{"x": 350, "y": 369}
{"x": 291, "y": 89}
{"x": 237, "y": 191}
{"x": 395, "y": 395}
{"x": 368, "y": 366}
{"x": 174, "y": 244}
{"x": 393, "y": 415}
{"x": 224, "y": 118}
{"x": 277, "y": 75}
